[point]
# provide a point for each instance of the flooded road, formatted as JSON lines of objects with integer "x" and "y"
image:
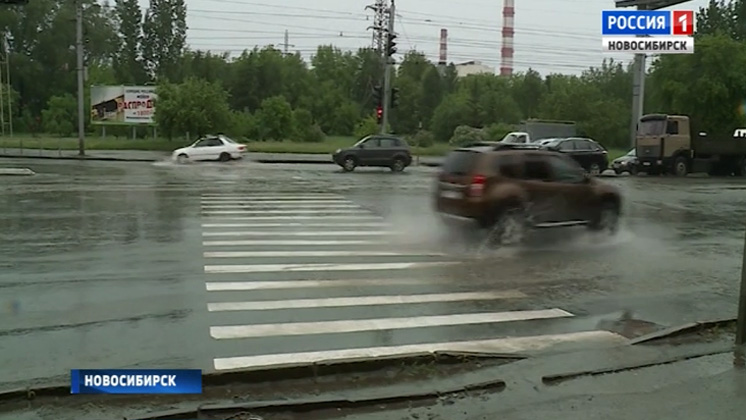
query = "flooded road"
{"x": 242, "y": 265}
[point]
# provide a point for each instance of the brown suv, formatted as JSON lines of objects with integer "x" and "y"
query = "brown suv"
{"x": 506, "y": 191}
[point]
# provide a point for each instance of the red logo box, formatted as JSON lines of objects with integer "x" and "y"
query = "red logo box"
{"x": 682, "y": 22}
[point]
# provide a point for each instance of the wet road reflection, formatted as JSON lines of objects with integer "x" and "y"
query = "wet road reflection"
{"x": 103, "y": 265}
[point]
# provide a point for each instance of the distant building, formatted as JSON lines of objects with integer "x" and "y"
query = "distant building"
{"x": 473, "y": 67}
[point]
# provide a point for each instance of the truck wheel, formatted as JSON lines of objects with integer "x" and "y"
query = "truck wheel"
{"x": 680, "y": 167}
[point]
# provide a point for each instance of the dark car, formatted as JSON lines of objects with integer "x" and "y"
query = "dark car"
{"x": 379, "y": 151}
{"x": 506, "y": 191}
{"x": 626, "y": 163}
{"x": 589, "y": 154}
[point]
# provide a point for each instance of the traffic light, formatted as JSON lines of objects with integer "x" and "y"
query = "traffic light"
{"x": 379, "y": 114}
{"x": 378, "y": 95}
{"x": 391, "y": 44}
{"x": 394, "y": 97}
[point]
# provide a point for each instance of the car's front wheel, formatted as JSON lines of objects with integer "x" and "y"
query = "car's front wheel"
{"x": 509, "y": 228}
{"x": 606, "y": 219}
{"x": 182, "y": 158}
{"x": 349, "y": 164}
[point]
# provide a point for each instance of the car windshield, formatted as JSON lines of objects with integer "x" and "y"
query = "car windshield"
{"x": 552, "y": 142}
{"x": 632, "y": 152}
{"x": 361, "y": 141}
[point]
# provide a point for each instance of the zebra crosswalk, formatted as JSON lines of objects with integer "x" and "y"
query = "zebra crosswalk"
{"x": 313, "y": 277}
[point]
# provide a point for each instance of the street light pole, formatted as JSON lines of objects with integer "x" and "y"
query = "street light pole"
{"x": 740, "y": 350}
{"x": 80, "y": 69}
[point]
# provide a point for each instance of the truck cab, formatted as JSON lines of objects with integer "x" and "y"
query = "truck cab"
{"x": 668, "y": 144}
{"x": 660, "y": 140}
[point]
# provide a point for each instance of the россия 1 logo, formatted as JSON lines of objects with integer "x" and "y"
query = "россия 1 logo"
{"x": 648, "y": 31}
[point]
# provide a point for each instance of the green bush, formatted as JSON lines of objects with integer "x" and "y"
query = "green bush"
{"x": 465, "y": 134}
{"x": 367, "y": 127}
{"x": 423, "y": 138}
{"x": 495, "y": 132}
{"x": 314, "y": 134}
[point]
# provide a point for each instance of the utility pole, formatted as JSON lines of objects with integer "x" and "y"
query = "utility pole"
{"x": 389, "y": 60}
{"x": 80, "y": 69}
{"x": 638, "y": 91}
{"x": 286, "y": 44}
{"x": 379, "y": 18}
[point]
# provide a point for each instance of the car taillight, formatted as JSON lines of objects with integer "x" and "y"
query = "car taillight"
{"x": 242, "y": 148}
{"x": 476, "y": 188}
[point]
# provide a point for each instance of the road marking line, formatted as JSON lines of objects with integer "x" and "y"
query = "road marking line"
{"x": 358, "y": 325}
{"x": 280, "y": 206}
{"x": 277, "y": 268}
{"x": 510, "y": 345}
{"x": 300, "y": 284}
{"x": 275, "y": 202}
{"x": 275, "y": 225}
{"x": 290, "y": 242}
{"x": 268, "y": 211}
{"x": 317, "y": 217}
{"x": 270, "y": 197}
{"x": 304, "y": 233}
{"x": 361, "y": 301}
{"x": 361, "y": 253}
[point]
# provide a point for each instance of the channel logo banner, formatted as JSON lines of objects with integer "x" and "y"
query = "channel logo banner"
{"x": 647, "y": 22}
{"x": 136, "y": 381}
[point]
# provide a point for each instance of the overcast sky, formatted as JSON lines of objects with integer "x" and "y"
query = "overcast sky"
{"x": 562, "y": 36}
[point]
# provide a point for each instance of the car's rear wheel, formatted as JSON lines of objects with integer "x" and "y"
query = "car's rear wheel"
{"x": 606, "y": 219}
{"x": 398, "y": 165}
{"x": 349, "y": 164}
{"x": 182, "y": 158}
{"x": 224, "y": 157}
{"x": 509, "y": 228}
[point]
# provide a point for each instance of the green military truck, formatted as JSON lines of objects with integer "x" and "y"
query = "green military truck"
{"x": 668, "y": 144}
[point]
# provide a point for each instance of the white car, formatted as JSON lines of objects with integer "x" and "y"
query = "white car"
{"x": 218, "y": 147}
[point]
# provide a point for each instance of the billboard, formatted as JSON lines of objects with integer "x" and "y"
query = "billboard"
{"x": 123, "y": 105}
{"x": 648, "y": 31}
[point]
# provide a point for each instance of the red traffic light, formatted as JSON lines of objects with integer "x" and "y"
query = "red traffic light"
{"x": 379, "y": 111}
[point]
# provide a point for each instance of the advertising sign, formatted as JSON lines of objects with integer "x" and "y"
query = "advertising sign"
{"x": 123, "y": 105}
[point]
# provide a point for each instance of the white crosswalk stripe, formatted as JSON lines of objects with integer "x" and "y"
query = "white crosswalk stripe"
{"x": 308, "y": 278}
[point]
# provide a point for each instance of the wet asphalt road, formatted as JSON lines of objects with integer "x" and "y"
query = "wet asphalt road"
{"x": 113, "y": 265}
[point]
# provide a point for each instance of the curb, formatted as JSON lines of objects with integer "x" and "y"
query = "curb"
{"x": 294, "y": 161}
{"x": 93, "y": 158}
{"x": 291, "y": 372}
{"x": 681, "y": 329}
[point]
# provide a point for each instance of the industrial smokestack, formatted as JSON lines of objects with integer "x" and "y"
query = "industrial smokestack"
{"x": 506, "y": 66}
{"x": 443, "y": 47}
